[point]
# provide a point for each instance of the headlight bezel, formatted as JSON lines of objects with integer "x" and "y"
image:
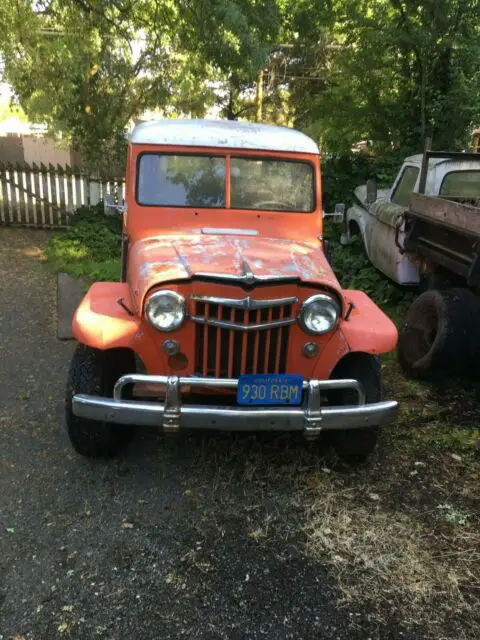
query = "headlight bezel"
{"x": 164, "y": 293}
{"x": 319, "y": 297}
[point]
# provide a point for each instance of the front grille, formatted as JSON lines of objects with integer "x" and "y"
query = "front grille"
{"x": 231, "y": 340}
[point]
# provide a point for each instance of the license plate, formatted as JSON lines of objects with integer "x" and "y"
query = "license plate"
{"x": 270, "y": 389}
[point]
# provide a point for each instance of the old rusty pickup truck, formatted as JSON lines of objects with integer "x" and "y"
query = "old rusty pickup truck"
{"x": 227, "y": 315}
{"x": 379, "y": 216}
{"x": 425, "y": 231}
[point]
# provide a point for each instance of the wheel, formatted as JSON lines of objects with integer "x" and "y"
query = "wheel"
{"x": 439, "y": 335}
{"x": 95, "y": 372}
{"x": 355, "y": 445}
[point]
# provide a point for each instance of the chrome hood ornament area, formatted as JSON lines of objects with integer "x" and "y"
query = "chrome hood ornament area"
{"x": 247, "y": 276}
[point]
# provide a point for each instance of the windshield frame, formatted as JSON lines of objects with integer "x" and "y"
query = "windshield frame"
{"x": 198, "y": 151}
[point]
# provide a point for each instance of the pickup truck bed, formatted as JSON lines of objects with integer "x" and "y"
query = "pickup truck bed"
{"x": 446, "y": 233}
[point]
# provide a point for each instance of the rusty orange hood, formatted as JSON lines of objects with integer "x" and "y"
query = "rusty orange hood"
{"x": 250, "y": 259}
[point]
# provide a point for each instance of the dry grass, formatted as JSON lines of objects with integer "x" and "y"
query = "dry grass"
{"x": 389, "y": 562}
{"x": 401, "y": 535}
{"x": 392, "y": 551}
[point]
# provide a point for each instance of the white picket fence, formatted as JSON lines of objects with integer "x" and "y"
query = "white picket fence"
{"x": 40, "y": 196}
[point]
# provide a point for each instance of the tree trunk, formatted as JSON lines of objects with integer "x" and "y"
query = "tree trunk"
{"x": 423, "y": 99}
{"x": 232, "y": 97}
{"x": 259, "y": 97}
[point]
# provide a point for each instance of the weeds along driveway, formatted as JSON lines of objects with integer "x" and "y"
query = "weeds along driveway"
{"x": 215, "y": 537}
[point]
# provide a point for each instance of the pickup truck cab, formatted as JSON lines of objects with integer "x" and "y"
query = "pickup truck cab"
{"x": 379, "y": 216}
{"x": 228, "y": 315}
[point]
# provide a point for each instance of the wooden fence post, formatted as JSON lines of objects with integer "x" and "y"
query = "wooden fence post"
{"x": 94, "y": 192}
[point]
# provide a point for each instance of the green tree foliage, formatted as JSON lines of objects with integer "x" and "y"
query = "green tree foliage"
{"x": 88, "y": 67}
{"x": 390, "y": 71}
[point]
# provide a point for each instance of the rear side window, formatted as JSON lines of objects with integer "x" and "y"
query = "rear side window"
{"x": 405, "y": 186}
{"x": 461, "y": 184}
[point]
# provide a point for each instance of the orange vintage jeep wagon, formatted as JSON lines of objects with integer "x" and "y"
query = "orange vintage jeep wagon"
{"x": 228, "y": 315}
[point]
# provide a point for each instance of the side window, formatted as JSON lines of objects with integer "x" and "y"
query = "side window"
{"x": 461, "y": 184}
{"x": 404, "y": 188}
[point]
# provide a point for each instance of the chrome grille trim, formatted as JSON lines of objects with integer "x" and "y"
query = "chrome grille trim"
{"x": 242, "y": 327}
{"x": 233, "y": 339}
{"x": 245, "y": 278}
{"x": 247, "y": 303}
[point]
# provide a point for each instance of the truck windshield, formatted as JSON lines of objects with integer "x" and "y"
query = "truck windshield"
{"x": 181, "y": 181}
{"x": 200, "y": 181}
{"x": 274, "y": 185}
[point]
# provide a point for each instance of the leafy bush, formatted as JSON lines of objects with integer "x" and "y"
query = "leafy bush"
{"x": 342, "y": 174}
{"x": 90, "y": 247}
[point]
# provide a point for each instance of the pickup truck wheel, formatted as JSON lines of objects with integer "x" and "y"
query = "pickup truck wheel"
{"x": 95, "y": 372}
{"x": 439, "y": 334}
{"x": 355, "y": 445}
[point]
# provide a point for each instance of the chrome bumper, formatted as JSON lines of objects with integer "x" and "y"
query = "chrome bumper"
{"x": 170, "y": 414}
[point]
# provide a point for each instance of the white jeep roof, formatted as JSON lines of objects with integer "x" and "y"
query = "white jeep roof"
{"x": 223, "y": 133}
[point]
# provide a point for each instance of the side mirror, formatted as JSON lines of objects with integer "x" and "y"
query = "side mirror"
{"x": 338, "y": 215}
{"x": 109, "y": 206}
{"x": 371, "y": 191}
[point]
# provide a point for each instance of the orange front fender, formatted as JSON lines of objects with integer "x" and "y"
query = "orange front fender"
{"x": 102, "y": 323}
{"x": 368, "y": 329}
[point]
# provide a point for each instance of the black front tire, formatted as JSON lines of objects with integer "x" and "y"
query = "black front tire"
{"x": 95, "y": 372}
{"x": 356, "y": 445}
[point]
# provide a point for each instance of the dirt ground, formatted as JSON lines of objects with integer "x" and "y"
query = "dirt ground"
{"x": 225, "y": 537}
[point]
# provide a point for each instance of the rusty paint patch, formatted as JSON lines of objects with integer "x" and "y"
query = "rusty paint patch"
{"x": 181, "y": 256}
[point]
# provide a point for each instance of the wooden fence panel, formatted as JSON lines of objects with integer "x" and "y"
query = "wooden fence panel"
{"x": 40, "y": 196}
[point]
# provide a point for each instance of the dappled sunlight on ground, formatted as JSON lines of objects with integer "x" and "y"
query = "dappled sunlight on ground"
{"x": 35, "y": 252}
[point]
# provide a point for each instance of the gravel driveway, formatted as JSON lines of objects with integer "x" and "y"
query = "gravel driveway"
{"x": 195, "y": 538}
{"x": 221, "y": 537}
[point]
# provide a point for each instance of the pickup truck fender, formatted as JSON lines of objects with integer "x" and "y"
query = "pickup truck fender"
{"x": 358, "y": 219}
{"x": 379, "y": 235}
{"x": 102, "y": 323}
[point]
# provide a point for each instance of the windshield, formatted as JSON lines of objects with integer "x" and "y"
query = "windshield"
{"x": 277, "y": 185}
{"x": 200, "y": 181}
{"x": 181, "y": 181}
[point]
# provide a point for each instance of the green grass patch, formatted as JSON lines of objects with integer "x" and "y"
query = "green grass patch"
{"x": 90, "y": 248}
{"x": 438, "y": 437}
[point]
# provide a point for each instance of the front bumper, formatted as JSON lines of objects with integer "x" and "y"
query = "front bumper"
{"x": 171, "y": 414}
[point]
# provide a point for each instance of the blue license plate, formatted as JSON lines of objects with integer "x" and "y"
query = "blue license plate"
{"x": 269, "y": 389}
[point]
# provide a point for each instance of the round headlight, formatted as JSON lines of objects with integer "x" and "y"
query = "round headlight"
{"x": 319, "y": 314}
{"x": 165, "y": 310}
